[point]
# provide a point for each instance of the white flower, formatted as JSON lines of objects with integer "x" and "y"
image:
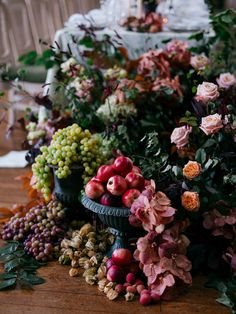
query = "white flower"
{"x": 111, "y": 110}
{"x": 66, "y": 66}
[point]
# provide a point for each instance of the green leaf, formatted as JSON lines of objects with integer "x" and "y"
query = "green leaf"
{"x": 4, "y": 276}
{"x": 31, "y": 278}
{"x": 210, "y": 142}
{"x": 14, "y": 263}
{"x": 7, "y": 283}
{"x": 208, "y": 164}
{"x": 201, "y": 155}
{"x": 177, "y": 171}
{"x": 48, "y": 53}
{"x": 49, "y": 64}
{"x": 9, "y": 248}
{"x": 197, "y": 36}
{"x": 224, "y": 299}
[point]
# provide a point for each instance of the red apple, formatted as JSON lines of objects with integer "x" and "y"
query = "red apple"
{"x": 136, "y": 170}
{"x": 116, "y": 274}
{"x": 108, "y": 199}
{"x": 122, "y": 257}
{"x": 123, "y": 165}
{"x": 109, "y": 263}
{"x": 105, "y": 172}
{"x": 95, "y": 179}
{"x": 116, "y": 185}
{"x": 135, "y": 180}
{"x": 129, "y": 197}
{"x": 94, "y": 189}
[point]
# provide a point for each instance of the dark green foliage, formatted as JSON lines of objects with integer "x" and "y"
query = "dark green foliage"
{"x": 20, "y": 268}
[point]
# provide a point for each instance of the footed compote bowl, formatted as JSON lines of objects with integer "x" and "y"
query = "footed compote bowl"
{"x": 67, "y": 189}
{"x": 116, "y": 218}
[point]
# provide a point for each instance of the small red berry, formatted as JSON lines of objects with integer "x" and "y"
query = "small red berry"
{"x": 145, "y": 298}
{"x": 130, "y": 278}
{"x": 119, "y": 288}
{"x": 140, "y": 288}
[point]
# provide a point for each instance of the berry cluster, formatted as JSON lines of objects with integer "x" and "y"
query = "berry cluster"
{"x": 40, "y": 230}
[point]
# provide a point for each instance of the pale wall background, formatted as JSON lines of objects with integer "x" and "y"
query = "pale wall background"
{"x": 24, "y": 22}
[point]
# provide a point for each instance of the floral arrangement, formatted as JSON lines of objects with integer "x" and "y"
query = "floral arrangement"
{"x": 149, "y": 23}
{"x": 173, "y": 112}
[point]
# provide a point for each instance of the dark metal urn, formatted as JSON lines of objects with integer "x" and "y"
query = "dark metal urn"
{"x": 116, "y": 218}
{"x": 67, "y": 190}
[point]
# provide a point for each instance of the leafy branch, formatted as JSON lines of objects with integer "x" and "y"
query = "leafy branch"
{"x": 19, "y": 268}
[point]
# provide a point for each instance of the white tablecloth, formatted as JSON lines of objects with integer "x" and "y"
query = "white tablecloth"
{"x": 136, "y": 43}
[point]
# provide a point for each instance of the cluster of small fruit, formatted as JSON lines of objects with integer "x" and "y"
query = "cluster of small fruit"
{"x": 41, "y": 230}
{"x": 118, "y": 184}
{"x": 69, "y": 146}
{"x": 126, "y": 275}
{"x": 85, "y": 248}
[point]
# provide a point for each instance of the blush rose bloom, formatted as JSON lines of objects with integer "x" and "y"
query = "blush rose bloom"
{"x": 190, "y": 201}
{"x": 199, "y": 62}
{"x": 211, "y": 124}
{"x": 192, "y": 170}
{"x": 180, "y": 136}
{"x": 226, "y": 80}
{"x": 207, "y": 92}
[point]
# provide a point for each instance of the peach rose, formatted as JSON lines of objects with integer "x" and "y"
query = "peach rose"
{"x": 226, "y": 80}
{"x": 199, "y": 62}
{"x": 192, "y": 170}
{"x": 211, "y": 124}
{"x": 207, "y": 92}
{"x": 180, "y": 136}
{"x": 190, "y": 201}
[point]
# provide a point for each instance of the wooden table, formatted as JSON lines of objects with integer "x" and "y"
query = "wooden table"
{"x": 62, "y": 294}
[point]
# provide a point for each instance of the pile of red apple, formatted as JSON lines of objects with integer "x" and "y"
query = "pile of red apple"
{"x": 116, "y": 185}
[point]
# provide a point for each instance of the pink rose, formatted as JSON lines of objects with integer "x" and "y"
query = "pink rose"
{"x": 211, "y": 124}
{"x": 226, "y": 80}
{"x": 199, "y": 62}
{"x": 207, "y": 92}
{"x": 180, "y": 136}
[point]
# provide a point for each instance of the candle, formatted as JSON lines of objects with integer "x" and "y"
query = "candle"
{"x": 139, "y": 8}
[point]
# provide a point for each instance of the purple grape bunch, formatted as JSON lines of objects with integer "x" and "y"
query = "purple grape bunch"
{"x": 41, "y": 230}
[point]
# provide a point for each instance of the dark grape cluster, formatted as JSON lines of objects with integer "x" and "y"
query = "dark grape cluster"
{"x": 40, "y": 230}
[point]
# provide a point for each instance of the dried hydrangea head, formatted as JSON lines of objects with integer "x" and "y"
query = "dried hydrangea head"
{"x": 190, "y": 201}
{"x": 192, "y": 170}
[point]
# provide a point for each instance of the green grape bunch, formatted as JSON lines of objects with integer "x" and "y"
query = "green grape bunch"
{"x": 69, "y": 146}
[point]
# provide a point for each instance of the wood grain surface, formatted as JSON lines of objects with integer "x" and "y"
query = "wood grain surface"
{"x": 62, "y": 294}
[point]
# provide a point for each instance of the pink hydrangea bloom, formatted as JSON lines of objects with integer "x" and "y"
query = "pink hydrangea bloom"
{"x": 153, "y": 210}
{"x": 154, "y": 63}
{"x": 162, "y": 259}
